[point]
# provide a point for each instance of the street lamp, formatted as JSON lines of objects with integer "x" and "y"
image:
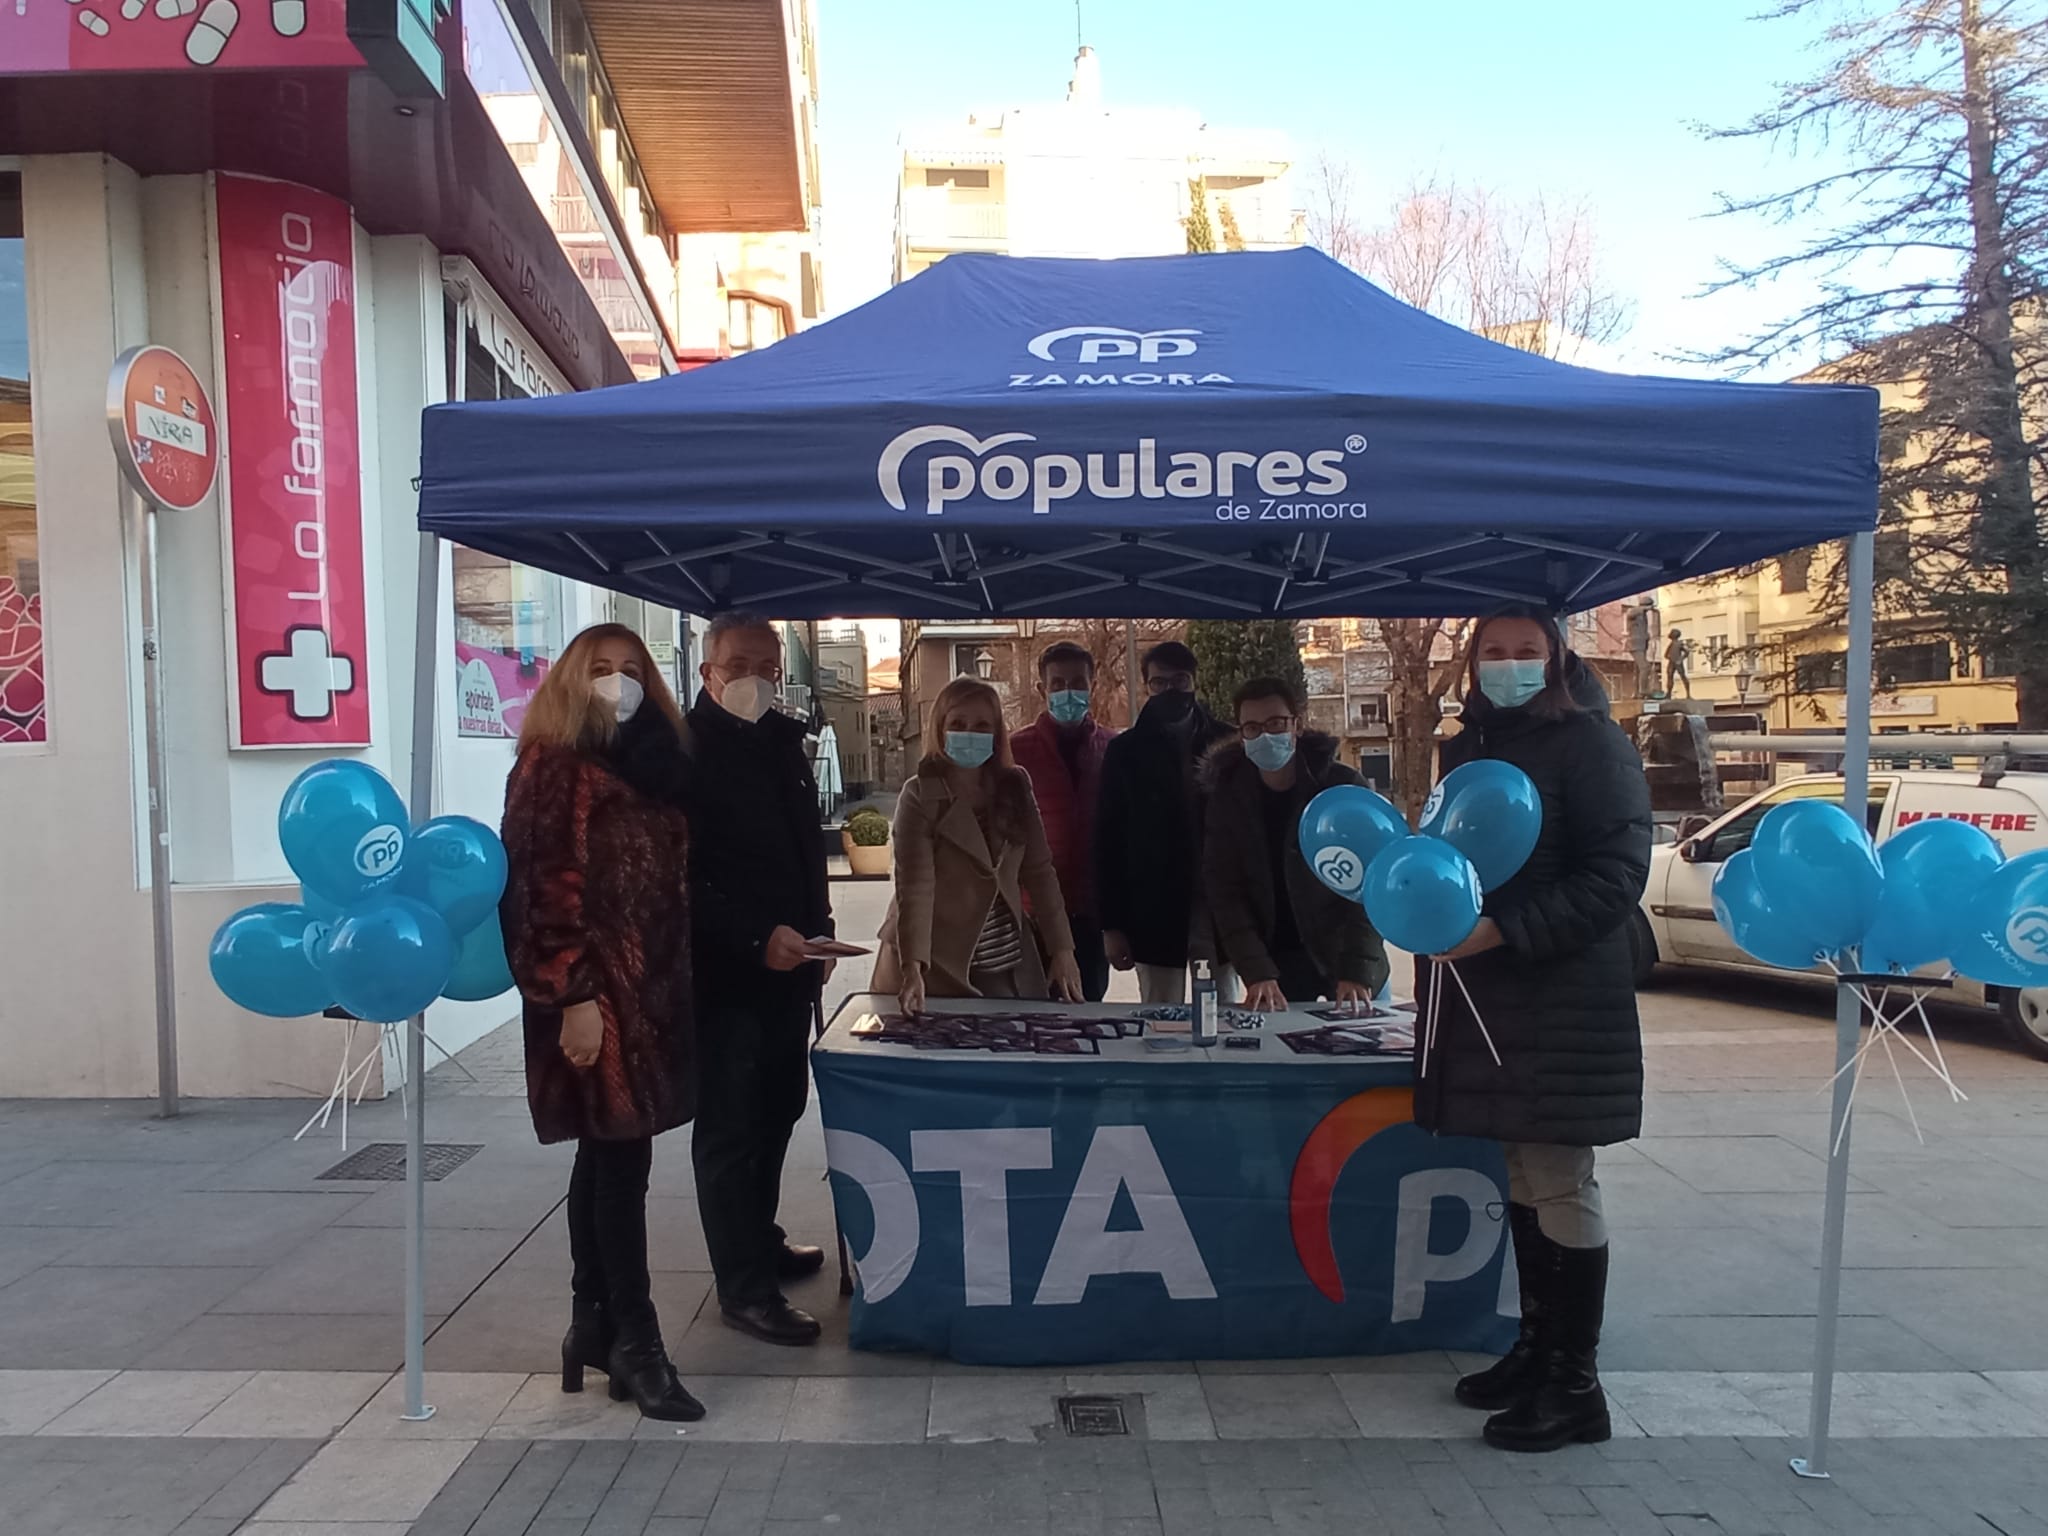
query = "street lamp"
{"x": 984, "y": 663}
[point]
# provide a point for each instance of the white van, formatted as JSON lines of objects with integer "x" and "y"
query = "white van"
{"x": 1675, "y": 925}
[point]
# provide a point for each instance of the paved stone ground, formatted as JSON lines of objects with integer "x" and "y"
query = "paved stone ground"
{"x": 156, "y": 1486}
{"x": 1692, "y": 1487}
{"x": 195, "y": 1329}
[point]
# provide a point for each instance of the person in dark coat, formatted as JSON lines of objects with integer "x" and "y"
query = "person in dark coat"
{"x": 1290, "y": 938}
{"x": 758, "y": 897}
{"x": 596, "y": 918}
{"x": 1148, "y": 843}
{"x": 1550, "y": 972}
{"x": 1062, "y": 752}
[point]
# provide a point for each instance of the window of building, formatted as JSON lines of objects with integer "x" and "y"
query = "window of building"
{"x": 1794, "y": 570}
{"x": 508, "y": 617}
{"x": 1999, "y": 663}
{"x": 955, "y": 176}
{"x": 973, "y": 659}
{"x": 1930, "y": 663}
{"x": 23, "y": 718}
{"x": 1821, "y": 671}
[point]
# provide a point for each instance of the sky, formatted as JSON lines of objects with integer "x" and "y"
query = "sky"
{"x": 1598, "y": 98}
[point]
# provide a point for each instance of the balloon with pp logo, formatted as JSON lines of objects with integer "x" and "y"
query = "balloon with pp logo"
{"x": 1489, "y": 811}
{"x": 1930, "y": 870}
{"x": 481, "y": 970}
{"x": 1748, "y": 917}
{"x": 388, "y": 959}
{"x": 343, "y": 828}
{"x": 1342, "y": 830}
{"x": 457, "y": 867}
{"x": 1422, "y": 895}
{"x": 259, "y": 961}
{"x": 2001, "y": 933}
{"x": 1815, "y": 862}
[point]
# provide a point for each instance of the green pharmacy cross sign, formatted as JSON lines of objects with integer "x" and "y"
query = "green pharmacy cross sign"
{"x": 396, "y": 39}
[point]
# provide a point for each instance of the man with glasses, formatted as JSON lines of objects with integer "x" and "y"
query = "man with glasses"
{"x": 758, "y": 900}
{"x": 1148, "y": 834}
{"x": 1290, "y": 937}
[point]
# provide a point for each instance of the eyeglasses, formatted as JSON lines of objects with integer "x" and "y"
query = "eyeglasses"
{"x": 770, "y": 672}
{"x": 1170, "y": 682}
{"x": 1272, "y": 725}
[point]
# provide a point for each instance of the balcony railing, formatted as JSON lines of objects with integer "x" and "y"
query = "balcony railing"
{"x": 929, "y": 217}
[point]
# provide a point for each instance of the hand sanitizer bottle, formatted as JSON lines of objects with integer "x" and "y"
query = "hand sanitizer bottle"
{"x": 1206, "y": 1011}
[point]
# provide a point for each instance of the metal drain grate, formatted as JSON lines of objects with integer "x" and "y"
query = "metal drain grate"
{"x": 1093, "y": 1416}
{"x": 384, "y": 1161}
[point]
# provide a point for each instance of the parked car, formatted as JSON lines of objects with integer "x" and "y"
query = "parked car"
{"x": 1675, "y": 924}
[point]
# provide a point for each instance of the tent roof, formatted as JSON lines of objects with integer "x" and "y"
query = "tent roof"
{"x": 1226, "y": 437}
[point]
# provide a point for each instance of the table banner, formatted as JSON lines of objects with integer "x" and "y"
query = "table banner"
{"x": 1033, "y": 1212}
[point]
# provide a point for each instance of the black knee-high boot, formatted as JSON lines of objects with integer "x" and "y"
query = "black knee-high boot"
{"x": 1500, "y": 1384}
{"x": 1567, "y": 1405}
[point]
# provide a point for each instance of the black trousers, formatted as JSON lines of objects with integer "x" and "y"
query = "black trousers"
{"x": 753, "y": 1061}
{"x": 608, "y": 1228}
{"x": 1089, "y": 956}
{"x": 1301, "y": 979}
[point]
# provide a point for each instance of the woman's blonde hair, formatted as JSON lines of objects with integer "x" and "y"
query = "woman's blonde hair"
{"x": 565, "y": 712}
{"x": 950, "y": 698}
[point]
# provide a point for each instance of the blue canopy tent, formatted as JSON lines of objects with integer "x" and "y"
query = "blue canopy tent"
{"x": 1247, "y": 435}
{"x": 1256, "y": 434}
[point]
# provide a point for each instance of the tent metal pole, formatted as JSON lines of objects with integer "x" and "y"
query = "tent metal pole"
{"x": 1848, "y": 1019}
{"x": 421, "y": 806}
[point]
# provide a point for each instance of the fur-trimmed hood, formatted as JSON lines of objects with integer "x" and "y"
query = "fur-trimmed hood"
{"x": 1314, "y": 750}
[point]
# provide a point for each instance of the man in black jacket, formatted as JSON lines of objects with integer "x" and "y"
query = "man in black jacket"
{"x": 1148, "y": 833}
{"x": 757, "y": 896}
{"x": 1291, "y": 938}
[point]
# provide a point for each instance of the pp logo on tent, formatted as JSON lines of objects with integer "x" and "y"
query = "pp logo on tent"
{"x": 1102, "y": 342}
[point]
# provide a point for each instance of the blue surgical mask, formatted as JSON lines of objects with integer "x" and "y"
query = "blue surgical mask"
{"x": 1270, "y": 752}
{"x": 1511, "y": 684}
{"x": 970, "y": 749}
{"x": 1069, "y": 706}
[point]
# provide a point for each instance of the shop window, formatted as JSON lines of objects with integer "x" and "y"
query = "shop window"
{"x": 509, "y": 623}
{"x": 1930, "y": 663}
{"x": 1821, "y": 671}
{"x": 22, "y": 714}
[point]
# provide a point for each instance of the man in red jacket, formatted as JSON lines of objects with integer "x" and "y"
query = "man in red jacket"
{"x": 1062, "y": 752}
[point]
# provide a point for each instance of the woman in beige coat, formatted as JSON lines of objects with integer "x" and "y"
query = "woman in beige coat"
{"x": 968, "y": 847}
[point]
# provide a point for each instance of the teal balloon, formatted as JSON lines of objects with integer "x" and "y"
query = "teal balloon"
{"x": 1422, "y": 895}
{"x": 344, "y": 830}
{"x": 457, "y": 867}
{"x": 2001, "y": 936}
{"x": 1489, "y": 811}
{"x": 1813, "y": 860}
{"x": 1748, "y": 916}
{"x": 1341, "y": 832}
{"x": 388, "y": 959}
{"x": 1932, "y": 870}
{"x": 259, "y": 962}
{"x": 481, "y": 970}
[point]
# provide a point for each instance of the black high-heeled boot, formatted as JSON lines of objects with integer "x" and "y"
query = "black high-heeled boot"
{"x": 587, "y": 1344}
{"x": 640, "y": 1370}
{"x": 1500, "y": 1384}
{"x": 1567, "y": 1406}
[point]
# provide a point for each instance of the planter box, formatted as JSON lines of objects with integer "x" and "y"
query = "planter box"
{"x": 869, "y": 861}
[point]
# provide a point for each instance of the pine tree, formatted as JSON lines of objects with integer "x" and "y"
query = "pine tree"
{"x": 1233, "y": 237}
{"x": 1229, "y": 652}
{"x": 1201, "y": 233}
{"x": 1931, "y": 285}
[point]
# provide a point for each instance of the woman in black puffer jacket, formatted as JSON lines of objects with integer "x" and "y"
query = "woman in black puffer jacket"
{"x": 1550, "y": 970}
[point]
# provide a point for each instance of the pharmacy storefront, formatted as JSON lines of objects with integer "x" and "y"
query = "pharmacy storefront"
{"x": 324, "y": 305}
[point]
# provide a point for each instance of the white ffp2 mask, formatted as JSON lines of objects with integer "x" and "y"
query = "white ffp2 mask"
{"x": 748, "y": 698}
{"x": 624, "y": 694}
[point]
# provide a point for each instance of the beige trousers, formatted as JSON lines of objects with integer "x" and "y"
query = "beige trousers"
{"x": 1558, "y": 1183}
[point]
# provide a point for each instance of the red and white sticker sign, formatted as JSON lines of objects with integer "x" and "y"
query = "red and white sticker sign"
{"x": 163, "y": 427}
{"x": 295, "y": 509}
